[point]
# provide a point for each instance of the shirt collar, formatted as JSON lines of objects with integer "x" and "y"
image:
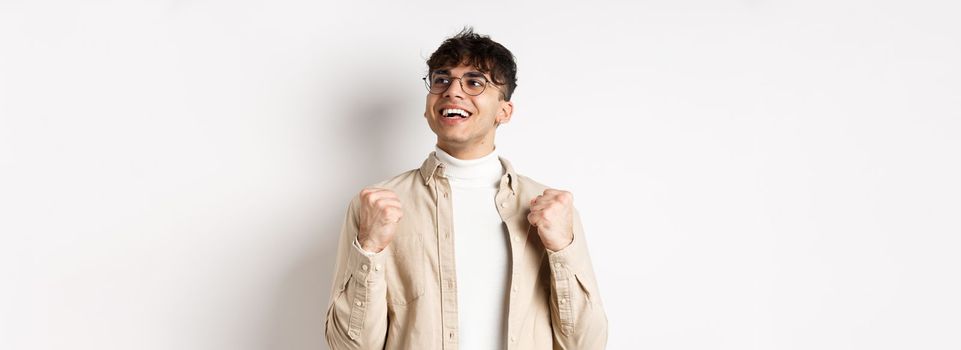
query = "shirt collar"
{"x": 476, "y": 171}
{"x": 434, "y": 167}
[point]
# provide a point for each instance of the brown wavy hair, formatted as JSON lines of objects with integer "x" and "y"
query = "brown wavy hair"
{"x": 481, "y": 52}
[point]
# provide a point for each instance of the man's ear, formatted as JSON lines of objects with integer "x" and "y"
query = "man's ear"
{"x": 505, "y": 112}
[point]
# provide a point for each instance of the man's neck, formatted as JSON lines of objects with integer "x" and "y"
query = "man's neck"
{"x": 467, "y": 153}
{"x": 485, "y": 171}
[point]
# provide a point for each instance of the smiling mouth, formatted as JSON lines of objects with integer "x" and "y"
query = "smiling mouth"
{"x": 454, "y": 113}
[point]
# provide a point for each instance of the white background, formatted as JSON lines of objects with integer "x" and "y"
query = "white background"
{"x": 752, "y": 174}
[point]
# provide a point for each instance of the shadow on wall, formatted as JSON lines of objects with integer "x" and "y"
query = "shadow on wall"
{"x": 361, "y": 136}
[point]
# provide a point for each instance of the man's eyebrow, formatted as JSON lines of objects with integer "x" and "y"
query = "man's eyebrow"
{"x": 472, "y": 73}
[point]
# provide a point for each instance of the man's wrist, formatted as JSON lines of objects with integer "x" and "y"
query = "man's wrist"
{"x": 369, "y": 246}
{"x": 559, "y": 246}
{"x": 555, "y": 245}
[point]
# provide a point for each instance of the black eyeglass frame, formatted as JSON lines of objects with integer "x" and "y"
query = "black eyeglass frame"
{"x": 461, "y": 82}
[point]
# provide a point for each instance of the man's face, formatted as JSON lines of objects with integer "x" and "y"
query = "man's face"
{"x": 484, "y": 111}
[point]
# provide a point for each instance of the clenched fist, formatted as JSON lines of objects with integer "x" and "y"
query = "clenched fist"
{"x": 380, "y": 210}
{"x": 553, "y": 215}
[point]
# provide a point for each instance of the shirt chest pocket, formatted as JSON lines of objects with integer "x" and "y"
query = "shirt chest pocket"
{"x": 406, "y": 270}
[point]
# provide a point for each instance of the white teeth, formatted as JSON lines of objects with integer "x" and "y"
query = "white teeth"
{"x": 461, "y": 112}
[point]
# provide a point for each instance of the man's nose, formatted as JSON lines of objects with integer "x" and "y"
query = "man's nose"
{"x": 455, "y": 89}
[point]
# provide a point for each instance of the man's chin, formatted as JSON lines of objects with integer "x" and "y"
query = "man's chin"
{"x": 453, "y": 140}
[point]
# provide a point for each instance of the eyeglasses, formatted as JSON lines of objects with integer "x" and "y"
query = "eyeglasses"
{"x": 439, "y": 83}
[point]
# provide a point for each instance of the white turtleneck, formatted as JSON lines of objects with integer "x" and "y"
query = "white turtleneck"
{"x": 481, "y": 250}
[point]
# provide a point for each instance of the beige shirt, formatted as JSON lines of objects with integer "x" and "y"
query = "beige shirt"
{"x": 405, "y": 297}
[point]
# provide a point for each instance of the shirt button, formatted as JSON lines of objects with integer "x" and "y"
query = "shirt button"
{"x": 504, "y": 205}
{"x": 517, "y": 238}
{"x": 445, "y": 194}
{"x": 358, "y": 303}
{"x": 377, "y": 267}
{"x": 514, "y": 289}
{"x": 512, "y": 339}
{"x": 352, "y": 334}
{"x": 364, "y": 267}
{"x": 562, "y": 301}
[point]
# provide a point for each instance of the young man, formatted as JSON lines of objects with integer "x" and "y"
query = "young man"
{"x": 464, "y": 253}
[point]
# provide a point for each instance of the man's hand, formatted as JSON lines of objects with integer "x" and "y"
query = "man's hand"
{"x": 380, "y": 210}
{"x": 553, "y": 215}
